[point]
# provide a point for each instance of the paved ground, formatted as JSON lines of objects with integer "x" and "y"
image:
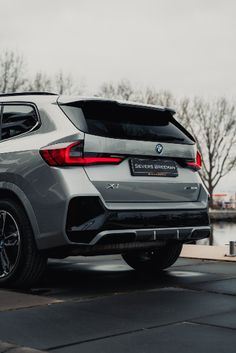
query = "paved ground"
{"x": 101, "y": 305}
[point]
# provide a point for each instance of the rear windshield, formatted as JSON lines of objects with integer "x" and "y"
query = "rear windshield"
{"x": 121, "y": 121}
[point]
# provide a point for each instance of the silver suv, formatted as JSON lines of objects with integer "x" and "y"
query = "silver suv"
{"x": 90, "y": 176}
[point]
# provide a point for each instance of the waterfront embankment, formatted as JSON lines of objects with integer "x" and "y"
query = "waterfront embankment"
{"x": 223, "y": 215}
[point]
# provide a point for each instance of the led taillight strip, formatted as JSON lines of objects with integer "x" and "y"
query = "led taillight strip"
{"x": 197, "y": 164}
{"x": 73, "y": 155}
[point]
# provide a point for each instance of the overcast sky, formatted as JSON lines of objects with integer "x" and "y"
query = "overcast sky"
{"x": 185, "y": 46}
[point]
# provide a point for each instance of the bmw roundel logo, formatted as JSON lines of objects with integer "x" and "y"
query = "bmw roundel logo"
{"x": 159, "y": 148}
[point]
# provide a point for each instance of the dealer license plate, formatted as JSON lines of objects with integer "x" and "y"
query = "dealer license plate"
{"x": 153, "y": 167}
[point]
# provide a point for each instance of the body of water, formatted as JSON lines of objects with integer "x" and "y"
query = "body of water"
{"x": 223, "y": 232}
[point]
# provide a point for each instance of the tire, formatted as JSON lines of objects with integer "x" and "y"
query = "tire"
{"x": 154, "y": 260}
{"x": 21, "y": 264}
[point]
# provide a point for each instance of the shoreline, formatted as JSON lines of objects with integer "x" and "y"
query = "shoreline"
{"x": 222, "y": 215}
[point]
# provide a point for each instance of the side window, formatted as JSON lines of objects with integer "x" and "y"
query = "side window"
{"x": 17, "y": 119}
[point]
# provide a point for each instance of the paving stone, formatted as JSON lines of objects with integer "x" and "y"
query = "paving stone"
{"x": 215, "y": 267}
{"x": 184, "y": 338}
{"x": 70, "y": 280}
{"x": 227, "y": 320}
{"x": 227, "y": 286}
{"x": 8, "y": 347}
{"x": 66, "y": 323}
{"x": 10, "y": 300}
{"x": 24, "y": 350}
{"x": 147, "y": 303}
{"x": 4, "y": 346}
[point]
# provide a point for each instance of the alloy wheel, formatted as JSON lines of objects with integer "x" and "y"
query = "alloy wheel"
{"x": 10, "y": 243}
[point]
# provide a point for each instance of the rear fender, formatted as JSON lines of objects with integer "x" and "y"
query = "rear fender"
{"x": 12, "y": 190}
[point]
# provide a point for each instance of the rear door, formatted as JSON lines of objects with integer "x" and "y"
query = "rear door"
{"x": 152, "y": 145}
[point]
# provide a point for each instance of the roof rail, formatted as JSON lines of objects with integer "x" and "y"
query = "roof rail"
{"x": 29, "y": 93}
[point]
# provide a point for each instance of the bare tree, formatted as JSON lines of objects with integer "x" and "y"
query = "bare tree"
{"x": 125, "y": 91}
{"x": 41, "y": 82}
{"x": 155, "y": 97}
{"x": 59, "y": 83}
{"x": 213, "y": 125}
{"x": 13, "y": 77}
{"x": 63, "y": 84}
{"x": 122, "y": 90}
{"x": 12, "y": 72}
{"x": 107, "y": 90}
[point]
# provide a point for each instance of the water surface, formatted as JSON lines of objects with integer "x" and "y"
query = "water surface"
{"x": 223, "y": 232}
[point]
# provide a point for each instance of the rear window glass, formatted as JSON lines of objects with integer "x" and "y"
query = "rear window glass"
{"x": 121, "y": 121}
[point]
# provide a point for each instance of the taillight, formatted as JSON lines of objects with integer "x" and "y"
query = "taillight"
{"x": 197, "y": 164}
{"x": 73, "y": 155}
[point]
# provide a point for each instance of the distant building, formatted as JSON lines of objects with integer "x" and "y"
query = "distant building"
{"x": 224, "y": 200}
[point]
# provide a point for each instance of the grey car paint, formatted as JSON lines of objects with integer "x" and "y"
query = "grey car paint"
{"x": 46, "y": 191}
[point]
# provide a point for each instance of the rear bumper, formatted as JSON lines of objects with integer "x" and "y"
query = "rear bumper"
{"x": 90, "y": 224}
{"x": 183, "y": 234}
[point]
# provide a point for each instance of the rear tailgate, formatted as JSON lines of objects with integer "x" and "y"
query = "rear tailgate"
{"x": 117, "y": 184}
{"x": 152, "y": 145}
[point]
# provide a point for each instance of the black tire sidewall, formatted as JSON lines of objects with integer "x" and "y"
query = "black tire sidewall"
{"x": 162, "y": 258}
{"x": 27, "y": 242}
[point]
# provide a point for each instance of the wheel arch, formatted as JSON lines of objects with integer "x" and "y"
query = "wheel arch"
{"x": 13, "y": 192}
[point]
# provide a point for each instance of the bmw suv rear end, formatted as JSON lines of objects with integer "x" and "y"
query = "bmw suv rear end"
{"x": 90, "y": 176}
